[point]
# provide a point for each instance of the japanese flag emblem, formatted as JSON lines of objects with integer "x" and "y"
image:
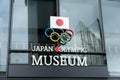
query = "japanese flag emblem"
{"x": 59, "y": 22}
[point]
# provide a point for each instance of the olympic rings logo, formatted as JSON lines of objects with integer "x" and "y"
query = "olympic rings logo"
{"x": 59, "y": 35}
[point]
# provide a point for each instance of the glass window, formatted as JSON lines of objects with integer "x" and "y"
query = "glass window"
{"x": 19, "y": 33}
{"x": 30, "y": 21}
{"x": 19, "y": 58}
{"x": 4, "y": 15}
{"x": 29, "y": 26}
{"x": 84, "y": 20}
{"x": 111, "y": 20}
{"x": 20, "y": 25}
{"x": 39, "y": 12}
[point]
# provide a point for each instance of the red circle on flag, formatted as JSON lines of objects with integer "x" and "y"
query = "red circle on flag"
{"x": 59, "y": 22}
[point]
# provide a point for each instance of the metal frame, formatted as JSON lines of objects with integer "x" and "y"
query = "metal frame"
{"x": 9, "y": 34}
{"x": 58, "y": 8}
{"x": 101, "y": 25}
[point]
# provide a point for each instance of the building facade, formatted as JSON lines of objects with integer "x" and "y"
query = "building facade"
{"x": 27, "y": 20}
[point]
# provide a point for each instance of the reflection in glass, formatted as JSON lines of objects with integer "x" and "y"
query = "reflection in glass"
{"x": 39, "y": 12}
{"x": 19, "y": 33}
{"x": 4, "y": 15}
{"x": 19, "y": 58}
{"x": 84, "y": 20}
{"x": 111, "y": 18}
{"x": 29, "y": 26}
{"x": 20, "y": 25}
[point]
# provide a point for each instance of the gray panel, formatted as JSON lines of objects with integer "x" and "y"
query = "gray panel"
{"x": 52, "y": 71}
{"x": 59, "y": 79}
